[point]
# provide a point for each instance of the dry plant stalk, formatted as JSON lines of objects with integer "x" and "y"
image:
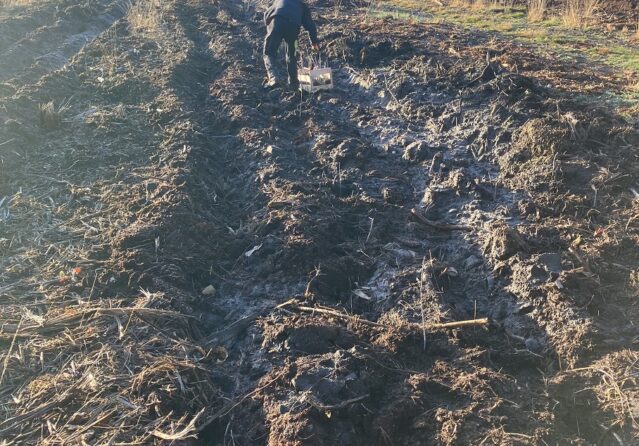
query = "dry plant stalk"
{"x": 426, "y": 292}
{"x": 578, "y": 13}
{"x": 145, "y": 16}
{"x": 480, "y": 322}
{"x": 618, "y": 389}
{"x": 537, "y": 10}
{"x": 51, "y": 115}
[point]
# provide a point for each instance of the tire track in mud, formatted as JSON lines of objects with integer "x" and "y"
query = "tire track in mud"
{"x": 67, "y": 29}
{"x": 106, "y": 192}
{"x": 18, "y": 21}
{"x": 209, "y": 180}
{"x": 314, "y": 163}
{"x": 304, "y": 163}
{"x": 306, "y": 177}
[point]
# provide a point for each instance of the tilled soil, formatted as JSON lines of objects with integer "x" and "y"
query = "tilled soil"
{"x": 189, "y": 258}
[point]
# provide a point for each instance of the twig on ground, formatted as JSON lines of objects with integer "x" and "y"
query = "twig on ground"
{"x": 189, "y": 430}
{"x": 439, "y": 225}
{"x": 348, "y": 317}
{"x": 339, "y": 406}
{"x": 5, "y": 363}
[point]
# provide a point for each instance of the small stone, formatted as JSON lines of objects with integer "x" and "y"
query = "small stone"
{"x": 209, "y": 290}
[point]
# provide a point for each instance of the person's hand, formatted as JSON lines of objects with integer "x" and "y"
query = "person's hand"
{"x": 316, "y": 48}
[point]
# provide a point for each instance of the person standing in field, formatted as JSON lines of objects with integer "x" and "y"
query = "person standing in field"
{"x": 283, "y": 21}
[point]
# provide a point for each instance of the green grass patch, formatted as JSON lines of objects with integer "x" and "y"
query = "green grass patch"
{"x": 570, "y": 45}
{"x": 551, "y": 33}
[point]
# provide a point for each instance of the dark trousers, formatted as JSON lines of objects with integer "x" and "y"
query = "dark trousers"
{"x": 281, "y": 29}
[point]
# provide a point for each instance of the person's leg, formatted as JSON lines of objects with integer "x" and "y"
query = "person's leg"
{"x": 291, "y": 55}
{"x": 272, "y": 43}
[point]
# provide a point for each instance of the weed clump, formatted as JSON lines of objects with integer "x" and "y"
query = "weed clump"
{"x": 537, "y": 10}
{"x": 145, "y": 16}
{"x": 50, "y": 115}
{"x": 578, "y": 13}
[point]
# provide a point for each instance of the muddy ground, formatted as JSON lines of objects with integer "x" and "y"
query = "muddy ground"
{"x": 186, "y": 258}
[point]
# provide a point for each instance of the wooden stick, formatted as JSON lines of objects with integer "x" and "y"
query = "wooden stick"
{"x": 439, "y": 225}
{"x": 460, "y": 324}
{"x": 333, "y": 313}
{"x": 341, "y": 405}
{"x": 347, "y": 317}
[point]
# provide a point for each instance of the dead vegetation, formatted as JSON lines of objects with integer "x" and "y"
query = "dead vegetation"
{"x": 145, "y": 16}
{"x": 51, "y": 116}
{"x": 615, "y": 14}
{"x": 618, "y": 387}
{"x": 442, "y": 250}
{"x": 537, "y": 10}
{"x": 580, "y": 13}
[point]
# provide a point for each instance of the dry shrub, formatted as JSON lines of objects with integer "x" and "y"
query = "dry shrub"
{"x": 618, "y": 387}
{"x": 577, "y": 13}
{"x": 146, "y": 16}
{"x": 537, "y": 10}
{"x": 51, "y": 116}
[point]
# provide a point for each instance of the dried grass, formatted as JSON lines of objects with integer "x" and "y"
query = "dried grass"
{"x": 537, "y": 10}
{"x": 146, "y": 16}
{"x": 467, "y": 3}
{"x": 618, "y": 387}
{"x": 482, "y": 4}
{"x": 579, "y": 13}
{"x": 51, "y": 115}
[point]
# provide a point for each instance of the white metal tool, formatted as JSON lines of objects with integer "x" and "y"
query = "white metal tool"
{"x": 316, "y": 76}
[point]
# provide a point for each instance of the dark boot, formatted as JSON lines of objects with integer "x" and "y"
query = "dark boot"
{"x": 271, "y": 71}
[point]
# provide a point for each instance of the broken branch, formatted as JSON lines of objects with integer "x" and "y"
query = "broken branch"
{"x": 347, "y": 317}
{"x": 438, "y": 225}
